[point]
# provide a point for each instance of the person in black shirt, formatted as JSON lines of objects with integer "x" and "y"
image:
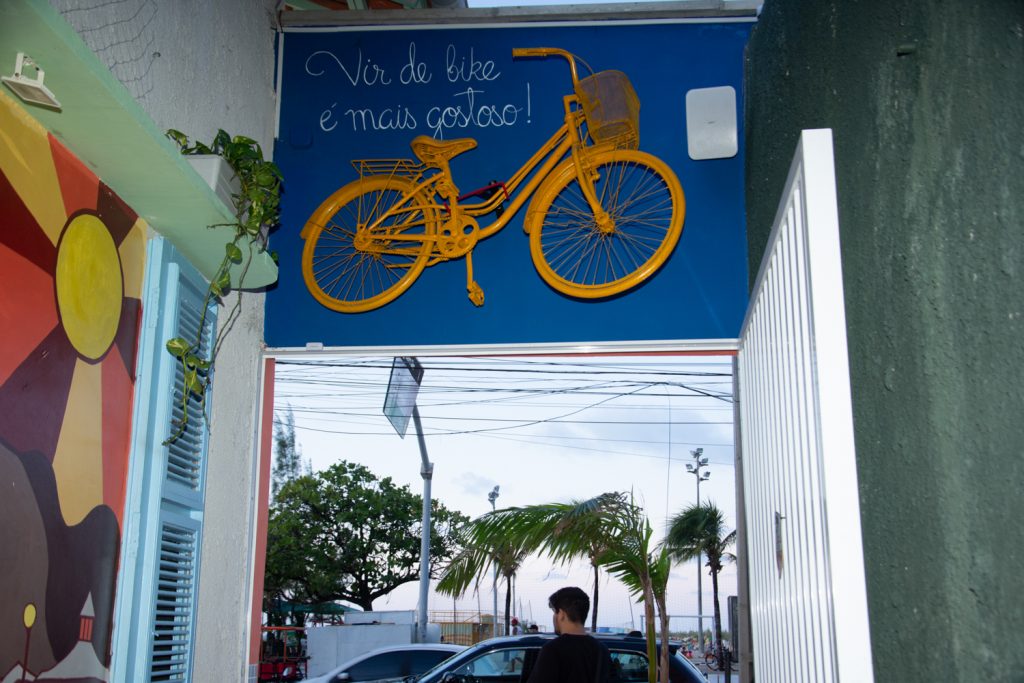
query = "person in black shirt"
{"x": 574, "y": 656}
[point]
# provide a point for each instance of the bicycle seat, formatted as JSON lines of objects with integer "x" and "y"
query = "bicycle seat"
{"x": 435, "y": 152}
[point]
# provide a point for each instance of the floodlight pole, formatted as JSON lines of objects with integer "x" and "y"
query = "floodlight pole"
{"x": 427, "y": 472}
{"x": 493, "y": 497}
{"x": 695, "y": 471}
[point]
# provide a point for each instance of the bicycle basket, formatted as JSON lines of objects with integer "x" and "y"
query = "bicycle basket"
{"x": 611, "y": 108}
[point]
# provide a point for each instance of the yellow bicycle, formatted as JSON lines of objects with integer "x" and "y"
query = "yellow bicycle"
{"x": 604, "y": 215}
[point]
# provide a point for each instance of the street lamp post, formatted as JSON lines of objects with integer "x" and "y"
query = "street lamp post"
{"x": 427, "y": 473}
{"x": 399, "y": 406}
{"x": 493, "y": 497}
{"x": 694, "y": 469}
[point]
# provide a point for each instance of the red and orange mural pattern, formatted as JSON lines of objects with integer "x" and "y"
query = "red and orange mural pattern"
{"x": 72, "y": 256}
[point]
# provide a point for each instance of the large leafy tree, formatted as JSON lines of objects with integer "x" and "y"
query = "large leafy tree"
{"x": 700, "y": 530}
{"x": 344, "y": 534}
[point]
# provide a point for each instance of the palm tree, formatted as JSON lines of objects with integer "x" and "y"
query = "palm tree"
{"x": 609, "y": 529}
{"x": 661, "y": 568}
{"x": 476, "y": 560}
{"x": 630, "y": 560}
{"x": 700, "y": 530}
{"x": 563, "y": 531}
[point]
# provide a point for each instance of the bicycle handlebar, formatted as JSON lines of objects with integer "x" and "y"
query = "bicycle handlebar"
{"x": 549, "y": 52}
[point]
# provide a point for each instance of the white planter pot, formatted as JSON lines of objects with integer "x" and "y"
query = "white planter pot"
{"x": 216, "y": 172}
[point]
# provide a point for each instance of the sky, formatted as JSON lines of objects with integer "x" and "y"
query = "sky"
{"x": 543, "y": 430}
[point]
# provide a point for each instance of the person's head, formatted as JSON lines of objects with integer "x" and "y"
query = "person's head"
{"x": 534, "y": 628}
{"x": 569, "y": 607}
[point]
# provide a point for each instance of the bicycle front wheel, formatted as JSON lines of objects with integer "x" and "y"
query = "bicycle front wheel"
{"x": 580, "y": 257}
{"x": 351, "y": 263}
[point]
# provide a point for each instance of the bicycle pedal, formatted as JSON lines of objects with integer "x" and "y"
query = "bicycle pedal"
{"x": 476, "y": 294}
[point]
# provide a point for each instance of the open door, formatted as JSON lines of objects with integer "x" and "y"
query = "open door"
{"x": 805, "y": 565}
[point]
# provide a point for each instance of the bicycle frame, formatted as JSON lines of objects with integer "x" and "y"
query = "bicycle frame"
{"x": 567, "y": 138}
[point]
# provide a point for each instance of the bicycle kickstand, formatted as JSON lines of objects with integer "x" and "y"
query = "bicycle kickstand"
{"x": 476, "y": 294}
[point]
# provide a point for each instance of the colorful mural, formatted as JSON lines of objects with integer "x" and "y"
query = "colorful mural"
{"x": 72, "y": 256}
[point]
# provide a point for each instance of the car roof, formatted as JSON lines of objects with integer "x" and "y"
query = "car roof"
{"x": 607, "y": 638}
{"x": 445, "y": 647}
{"x": 450, "y": 648}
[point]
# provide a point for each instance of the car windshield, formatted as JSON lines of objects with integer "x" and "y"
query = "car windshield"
{"x": 467, "y": 657}
{"x": 690, "y": 666}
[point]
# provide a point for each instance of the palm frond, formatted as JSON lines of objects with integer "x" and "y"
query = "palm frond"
{"x": 697, "y": 530}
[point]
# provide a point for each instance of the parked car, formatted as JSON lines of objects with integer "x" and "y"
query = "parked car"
{"x": 510, "y": 660}
{"x": 392, "y": 663}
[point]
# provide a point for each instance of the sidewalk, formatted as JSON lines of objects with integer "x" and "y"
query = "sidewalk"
{"x": 719, "y": 676}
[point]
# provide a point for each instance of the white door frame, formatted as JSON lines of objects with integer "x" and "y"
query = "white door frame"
{"x": 808, "y": 600}
{"x": 808, "y": 621}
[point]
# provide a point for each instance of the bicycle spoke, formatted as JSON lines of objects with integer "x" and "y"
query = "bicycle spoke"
{"x": 381, "y": 217}
{"x": 641, "y": 209}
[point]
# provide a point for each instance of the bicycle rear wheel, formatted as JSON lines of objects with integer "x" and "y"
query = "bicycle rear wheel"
{"x": 351, "y": 269}
{"x": 575, "y": 255}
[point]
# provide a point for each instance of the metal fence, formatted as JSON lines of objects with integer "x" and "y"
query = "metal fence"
{"x": 466, "y": 627}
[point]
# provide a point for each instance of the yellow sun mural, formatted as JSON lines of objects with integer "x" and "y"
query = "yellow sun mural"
{"x": 72, "y": 256}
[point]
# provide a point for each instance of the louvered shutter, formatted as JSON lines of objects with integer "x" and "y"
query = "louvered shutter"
{"x": 171, "y": 650}
{"x": 181, "y": 493}
{"x": 186, "y": 456}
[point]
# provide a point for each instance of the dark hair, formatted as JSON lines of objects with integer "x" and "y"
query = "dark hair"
{"x": 573, "y": 601}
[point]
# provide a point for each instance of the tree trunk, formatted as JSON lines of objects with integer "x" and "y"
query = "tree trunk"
{"x": 652, "y": 653}
{"x": 663, "y": 657}
{"x": 718, "y": 620}
{"x": 508, "y": 602}
{"x": 593, "y": 614}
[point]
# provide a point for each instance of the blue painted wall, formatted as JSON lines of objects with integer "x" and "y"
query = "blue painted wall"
{"x": 365, "y": 94}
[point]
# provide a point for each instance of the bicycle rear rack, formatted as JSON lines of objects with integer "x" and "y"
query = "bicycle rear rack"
{"x": 389, "y": 167}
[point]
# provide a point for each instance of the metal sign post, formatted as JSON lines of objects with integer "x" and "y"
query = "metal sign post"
{"x": 403, "y": 386}
{"x": 399, "y": 406}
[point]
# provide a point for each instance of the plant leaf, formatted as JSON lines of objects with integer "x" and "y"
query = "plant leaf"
{"x": 178, "y": 347}
{"x": 178, "y": 138}
{"x": 234, "y": 254}
{"x": 224, "y": 281}
{"x": 221, "y": 140}
{"x": 192, "y": 383}
{"x": 194, "y": 361}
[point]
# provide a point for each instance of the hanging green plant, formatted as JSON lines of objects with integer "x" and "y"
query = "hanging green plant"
{"x": 257, "y": 209}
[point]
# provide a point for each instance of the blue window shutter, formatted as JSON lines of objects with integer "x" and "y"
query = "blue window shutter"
{"x": 186, "y": 457}
{"x": 175, "y": 598}
{"x": 158, "y": 583}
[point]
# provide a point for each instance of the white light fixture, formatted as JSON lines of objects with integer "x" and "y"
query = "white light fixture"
{"x": 29, "y": 90}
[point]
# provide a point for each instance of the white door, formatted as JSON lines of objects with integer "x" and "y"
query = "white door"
{"x": 808, "y": 604}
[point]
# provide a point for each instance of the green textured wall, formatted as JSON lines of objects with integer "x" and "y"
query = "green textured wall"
{"x": 926, "y": 101}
